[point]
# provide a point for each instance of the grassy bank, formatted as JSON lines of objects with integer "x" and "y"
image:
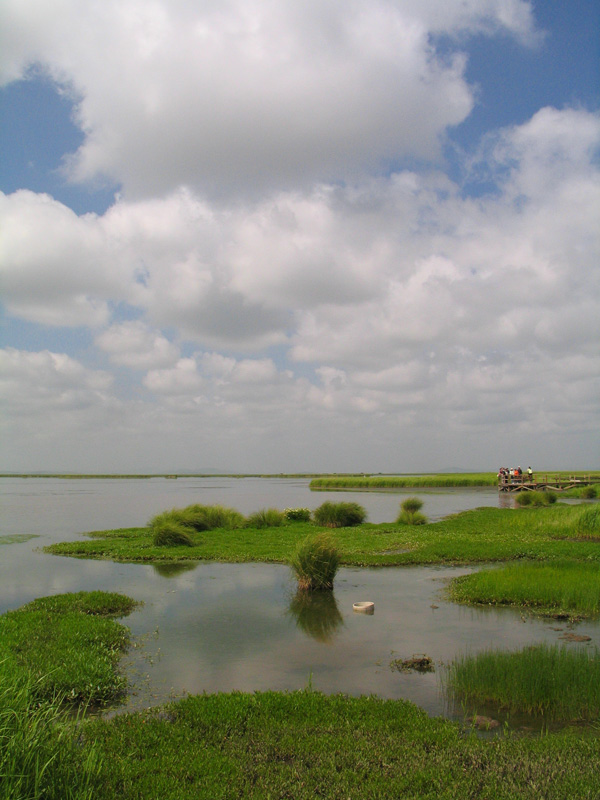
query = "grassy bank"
{"x": 547, "y": 681}
{"x": 69, "y": 645}
{"x": 480, "y": 535}
{"x": 559, "y": 587}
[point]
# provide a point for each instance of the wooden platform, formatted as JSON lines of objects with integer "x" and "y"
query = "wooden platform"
{"x": 540, "y": 483}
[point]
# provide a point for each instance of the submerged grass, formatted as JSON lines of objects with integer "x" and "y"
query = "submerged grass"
{"x": 561, "y": 586}
{"x": 543, "y": 680}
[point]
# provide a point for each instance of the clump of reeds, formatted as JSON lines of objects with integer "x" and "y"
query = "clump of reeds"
{"x": 169, "y": 533}
{"x": 168, "y": 527}
{"x": 410, "y": 512}
{"x": 589, "y": 492}
{"x": 297, "y": 514}
{"x": 315, "y": 563}
{"x": 542, "y": 680}
{"x": 266, "y": 518}
{"x": 339, "y": 515}
{"x": 587, "y": 523}
{"x": 536, "y": 498}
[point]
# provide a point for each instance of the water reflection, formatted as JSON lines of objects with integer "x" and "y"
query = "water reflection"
{"x": 316, "y": 614}
{"x": 173, "y": 569}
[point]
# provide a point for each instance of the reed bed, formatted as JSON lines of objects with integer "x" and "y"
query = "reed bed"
{"x": 405, "y": 481}
{"x": 548, "y": 681}
{"x": 562, "y": 585}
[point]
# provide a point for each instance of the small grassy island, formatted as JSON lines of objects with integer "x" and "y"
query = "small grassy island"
{"x": 64, "y": 651}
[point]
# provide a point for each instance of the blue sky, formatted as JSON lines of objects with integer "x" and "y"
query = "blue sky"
{"x": 303, "y": 237}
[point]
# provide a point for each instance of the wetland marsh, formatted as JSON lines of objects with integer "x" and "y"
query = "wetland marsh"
{"x": 205, "y": 626}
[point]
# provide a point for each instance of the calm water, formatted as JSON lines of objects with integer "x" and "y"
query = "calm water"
{"x": 219, "y": 627}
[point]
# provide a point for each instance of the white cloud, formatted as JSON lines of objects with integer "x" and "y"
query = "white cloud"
{"x": 134, "y": 344}
{"x": 49, "y": 383}
{"x": 251, "y": 95}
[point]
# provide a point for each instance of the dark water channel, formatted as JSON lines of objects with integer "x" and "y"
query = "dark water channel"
{"x": 221, "y": 627}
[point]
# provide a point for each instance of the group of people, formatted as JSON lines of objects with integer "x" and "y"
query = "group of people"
{"x": 506, "y": 475}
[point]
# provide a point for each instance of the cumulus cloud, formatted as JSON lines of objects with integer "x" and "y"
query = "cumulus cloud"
{"x": 252, "y": 95}
{"x": 134, "y": 344}
{"x": 45, "y": 382}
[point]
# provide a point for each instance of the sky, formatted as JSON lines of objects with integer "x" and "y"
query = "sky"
{"x": 299, "y": 235}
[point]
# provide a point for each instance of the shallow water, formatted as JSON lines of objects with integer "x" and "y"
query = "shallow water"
{"x": 219, "y": 627}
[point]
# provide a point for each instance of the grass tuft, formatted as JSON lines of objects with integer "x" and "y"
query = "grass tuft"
{"x": 339, "y": 515}
{"x": 315, "y": 563}
{"x": 297, "y": 514}
{"x": 536, "y": 498}
{"x": 266, "y": 518}
{"x": 410, "y": 512}
{"x": 169, "y": 533}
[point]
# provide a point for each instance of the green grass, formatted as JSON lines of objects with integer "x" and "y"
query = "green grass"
{"x": 315, "y": 563}
{"x": 304, "y": 745}
{"x": 558, "y": 587}
{"x": 339, "y": 515}
{"x": 480, "y": 535}
{"x": 555, "y": 682}
{"x": 69, "y": 645}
